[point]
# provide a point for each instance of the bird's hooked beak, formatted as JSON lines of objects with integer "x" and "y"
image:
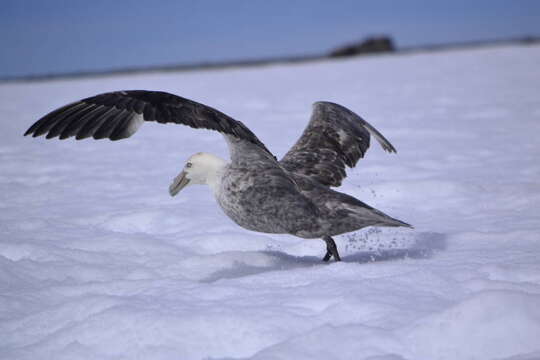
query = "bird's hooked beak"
{"x": 178, "y": 183}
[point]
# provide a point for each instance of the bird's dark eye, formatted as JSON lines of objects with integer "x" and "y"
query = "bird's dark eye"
{"x": 188, "y": 165}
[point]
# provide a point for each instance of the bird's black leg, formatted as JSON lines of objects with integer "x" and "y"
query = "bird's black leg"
{"x": 331, "y": 249}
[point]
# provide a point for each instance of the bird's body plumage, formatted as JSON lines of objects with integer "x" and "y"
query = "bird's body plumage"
{"x": 258, "y": 192}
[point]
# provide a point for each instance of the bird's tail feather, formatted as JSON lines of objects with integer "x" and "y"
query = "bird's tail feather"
{"x": 385, "y": 220}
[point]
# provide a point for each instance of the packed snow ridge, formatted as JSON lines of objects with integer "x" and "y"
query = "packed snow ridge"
{"x": 97, "y": 261}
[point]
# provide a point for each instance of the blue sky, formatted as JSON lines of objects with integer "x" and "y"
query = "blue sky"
{"x": 55, "y": 36}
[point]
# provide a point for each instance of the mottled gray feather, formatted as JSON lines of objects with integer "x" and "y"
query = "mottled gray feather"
{"x": 259, "y": 194}
{"x": 334, "y": 138}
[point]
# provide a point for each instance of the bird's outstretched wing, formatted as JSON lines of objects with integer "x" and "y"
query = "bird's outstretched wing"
{"x": 334, "y": 138}
{"x": 117, "y": 115}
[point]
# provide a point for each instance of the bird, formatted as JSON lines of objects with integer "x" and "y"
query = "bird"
{"x": 257, "y": 191}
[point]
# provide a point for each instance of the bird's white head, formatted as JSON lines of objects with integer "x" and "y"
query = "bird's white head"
{"x": 201, "y": 168}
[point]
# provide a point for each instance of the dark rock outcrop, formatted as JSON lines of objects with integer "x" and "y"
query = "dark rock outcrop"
{"x": 369, "y": 45}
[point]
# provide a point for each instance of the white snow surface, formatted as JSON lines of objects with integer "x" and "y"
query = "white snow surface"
{"x": 97, "y": 261}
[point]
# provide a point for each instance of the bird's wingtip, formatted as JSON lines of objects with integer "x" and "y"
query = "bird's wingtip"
{"x": 389, "y": 148}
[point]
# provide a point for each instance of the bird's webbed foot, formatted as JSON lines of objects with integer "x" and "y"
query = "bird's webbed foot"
{"x": 331, "y": 249}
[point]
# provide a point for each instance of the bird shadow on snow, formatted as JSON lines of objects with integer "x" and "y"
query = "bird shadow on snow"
{"x": 422, "y": 246}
